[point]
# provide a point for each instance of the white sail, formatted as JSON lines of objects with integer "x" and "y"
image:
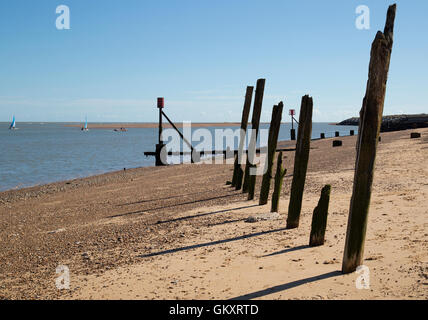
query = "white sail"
{"x": 85, "y": 128}
{"x": 13, "y": 124}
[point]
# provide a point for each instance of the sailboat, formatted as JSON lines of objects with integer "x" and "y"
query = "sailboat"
{"x": 85, "y": 128}
{"x": 13, "y": 124}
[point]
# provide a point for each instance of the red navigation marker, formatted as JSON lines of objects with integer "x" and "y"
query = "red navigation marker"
{"x": 292, "y": 112}
{"x": 161, "y": 103}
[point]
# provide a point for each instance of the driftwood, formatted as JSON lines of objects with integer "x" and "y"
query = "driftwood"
{"x": 368, "y": 133}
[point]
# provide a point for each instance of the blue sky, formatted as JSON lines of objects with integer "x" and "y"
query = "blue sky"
{"x": 119, "y": 56}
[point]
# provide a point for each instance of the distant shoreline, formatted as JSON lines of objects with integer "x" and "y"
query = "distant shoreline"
{"x": 394, "y": 122}
{"x": 151, "y": 125}
{"x": 117, "y": 125}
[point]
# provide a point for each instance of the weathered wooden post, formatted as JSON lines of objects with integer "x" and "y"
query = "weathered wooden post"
{"x": 252, "y": 183}
{"x": 370, "y": 123}
{"x": 237, "y": 170}
{"x": 337, "y": 143}
{"x": 275, "y": 125}
{"x": 337, "y": 134}
{"x": 255, "y": 122}
{"x": 300, "y": 162}
{"x": 415, "y": 135}
{"x": 279, "y": 177}
{"x": 322, "y": 135}
{"x": 319, "y": 218}
{"x": 351, "y": 132}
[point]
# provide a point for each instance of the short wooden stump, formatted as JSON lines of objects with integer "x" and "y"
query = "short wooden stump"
{"x": 337, "y": 143}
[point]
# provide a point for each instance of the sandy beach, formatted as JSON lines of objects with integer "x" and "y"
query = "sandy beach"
{"x": 179, "y": 232}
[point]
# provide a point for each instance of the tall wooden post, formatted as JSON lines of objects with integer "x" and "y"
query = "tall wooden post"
{"x": 255, "y": 122}
{"x": 370, "y": 122}
{"x": 319, "y": 218}
{"x": 300, "y": 162}
{"x": 279, "y": 177}
{"x": 237, "y": 170}
{"x": 275, "y": 125}
{"x": 252, "y": 183}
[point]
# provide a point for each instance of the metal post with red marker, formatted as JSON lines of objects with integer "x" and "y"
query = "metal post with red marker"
{"x": 160, "y": 145}
{"x": 161, "y": 104}
{"x": 292, "y": 112}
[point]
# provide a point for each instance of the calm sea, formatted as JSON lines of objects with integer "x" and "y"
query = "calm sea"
{"x": 39, "y": 153}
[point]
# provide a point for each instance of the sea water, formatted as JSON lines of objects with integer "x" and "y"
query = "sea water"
{"x": 40, "y": 153}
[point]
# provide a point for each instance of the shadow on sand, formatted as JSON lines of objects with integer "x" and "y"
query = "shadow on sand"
{"x": 162, "y": 198}
{"x": 207, "y": 244}
{"x": 286, "y": 250}
{"x": 286, "y": 286}
{"x": 204, "y": 214}
{"x": 171, "y": 206}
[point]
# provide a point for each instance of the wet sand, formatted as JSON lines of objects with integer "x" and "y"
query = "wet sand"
{"x": 179, "y": 232}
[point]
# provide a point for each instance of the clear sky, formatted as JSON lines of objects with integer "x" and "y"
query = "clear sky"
{"x": 200, "y": 55}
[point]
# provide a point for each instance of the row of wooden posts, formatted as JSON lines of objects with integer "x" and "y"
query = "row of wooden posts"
{"x": 300, "y": 161}
{"x": 368, "y": 137}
